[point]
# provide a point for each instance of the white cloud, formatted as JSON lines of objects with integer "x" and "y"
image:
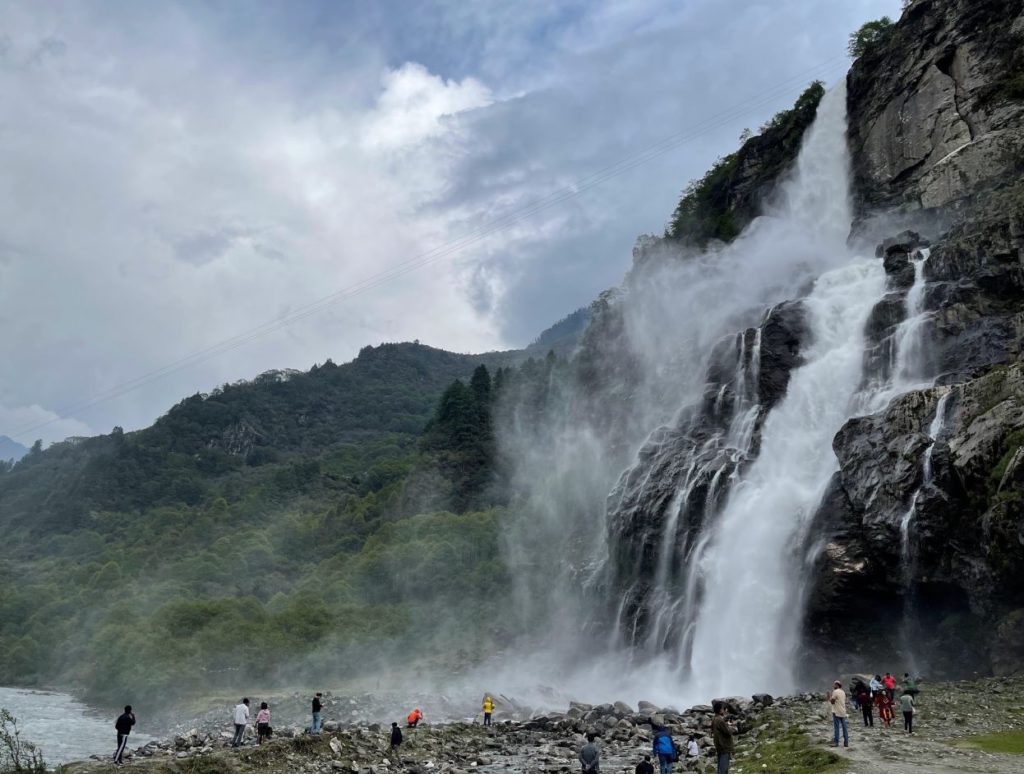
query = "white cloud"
{"x": 41, "y": 423}
{"x": 413, "y": 105}
{"x": 175, "y": 175}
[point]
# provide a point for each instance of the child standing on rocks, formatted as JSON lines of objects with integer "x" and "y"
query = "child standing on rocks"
{"x": 263, "y": 723}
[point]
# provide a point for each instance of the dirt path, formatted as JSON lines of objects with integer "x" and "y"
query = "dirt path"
{"x": 932, "y": 748}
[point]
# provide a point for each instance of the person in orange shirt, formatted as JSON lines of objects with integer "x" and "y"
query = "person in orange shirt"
{"x": 414, "y": 718}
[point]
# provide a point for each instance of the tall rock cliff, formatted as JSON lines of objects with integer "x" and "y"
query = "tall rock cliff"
{"x": 925, "y": 519}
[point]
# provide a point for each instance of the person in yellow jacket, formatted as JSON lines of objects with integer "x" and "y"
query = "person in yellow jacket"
{"x": 488, "y": 709}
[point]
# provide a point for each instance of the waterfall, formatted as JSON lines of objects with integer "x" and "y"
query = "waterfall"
{"x": 907, "y": 559}
{"x": 934, "y": 433}
{"x": 688, "y": 583}
{"x": 748, "y": 622}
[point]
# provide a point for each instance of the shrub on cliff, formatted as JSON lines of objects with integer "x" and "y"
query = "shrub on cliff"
{"x": 869, "y": 35}
{"x": 718, "y": 206}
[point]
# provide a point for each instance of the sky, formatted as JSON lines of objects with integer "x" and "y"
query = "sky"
{"x": 194, "y": 193}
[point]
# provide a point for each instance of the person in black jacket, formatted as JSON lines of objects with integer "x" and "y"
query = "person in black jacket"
{"x": 645, "y": 766}
{"x": 318, "y": 708}
{"x": 124, "y": 727}
{"x": 396, "y": 740}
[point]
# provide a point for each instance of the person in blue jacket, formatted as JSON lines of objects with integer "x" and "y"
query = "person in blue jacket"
{"x": 664, "y": 748}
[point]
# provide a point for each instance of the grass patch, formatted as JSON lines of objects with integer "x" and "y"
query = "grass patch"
{"x": 1009, "y": 742}
{"x": 786, "y": 749}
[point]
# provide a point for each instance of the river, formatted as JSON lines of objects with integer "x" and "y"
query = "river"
{"x": 63, "y": 728}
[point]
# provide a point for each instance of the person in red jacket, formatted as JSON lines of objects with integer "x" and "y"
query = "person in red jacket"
{"x": 414, "y": 718}
{"x": 890, "y": 685}
{"x": 884, "y": 704}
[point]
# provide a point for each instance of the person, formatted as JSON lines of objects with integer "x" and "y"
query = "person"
{"x": 414, "y": 718}
{"x": 488, "y": 709}
{"x": 890, "y": 685}
{"x": 396, "y": 739}
{"x": 263, "y": 723}
{"x": 318, "y": 710}
{"x": 852, "y": 693}
{"x": 884, "y": 704}
{"x": 839, "y": 714}
{"x": 590, "y": 756}
{"x": 909, "y": 686}
{"x": 907, "y": 708}
{"x": 664, "y": 748}
{"x": 876, "y": 685}
{"x": 645, "y": 766}
{"x": 692, "y": 750}
{"x": 123, "y": 724}
{"x": 866, "y": 707}
{"x": 725, "y": 740}
{"x": 241, "y": 720}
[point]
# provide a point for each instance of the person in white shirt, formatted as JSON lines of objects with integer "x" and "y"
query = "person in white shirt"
{"x": 692, "y": 751}
{"x": 241, "y": 720}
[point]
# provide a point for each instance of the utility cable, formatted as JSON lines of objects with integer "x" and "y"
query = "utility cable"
{"x": 447, "y": 249}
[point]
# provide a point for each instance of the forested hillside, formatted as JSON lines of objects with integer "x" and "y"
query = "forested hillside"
{"x": 323, "y": 517}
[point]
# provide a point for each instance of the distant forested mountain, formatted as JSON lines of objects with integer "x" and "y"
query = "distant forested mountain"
{"x": 341, "y": 512}
{"x": 11, "y": 449}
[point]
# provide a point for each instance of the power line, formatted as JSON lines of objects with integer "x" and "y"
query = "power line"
{"x": 447, "y": 249}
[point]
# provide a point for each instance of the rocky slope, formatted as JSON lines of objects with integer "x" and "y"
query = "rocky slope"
{"x": 788, "y": 734}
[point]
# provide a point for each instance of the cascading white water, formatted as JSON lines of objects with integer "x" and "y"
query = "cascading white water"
{"x": 733, "y": 613}
{"x": 934, "y": 433}
{"x": 747, "y": 627}
{"x": 909, "y": 341}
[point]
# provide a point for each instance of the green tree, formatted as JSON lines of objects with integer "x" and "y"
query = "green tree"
{"x": 869, "y": 35}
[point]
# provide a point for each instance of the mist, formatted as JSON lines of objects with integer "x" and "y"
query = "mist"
{"x": 660, "y": 547}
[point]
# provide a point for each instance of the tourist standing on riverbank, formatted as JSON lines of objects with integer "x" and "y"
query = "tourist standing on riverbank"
{"x": 840, "y": 714}
{"x": 488, "y": 709}
{"x": 263, "y": 723}
{"x": 318, "y": 708}
{"x": 590, "y": 756}
{"x": 664, "y": 748}
{"x": 907, "y": 708}
{"x": 890, "y": 685}
{"x": 866, "y": 705}
{"x": 884, "y": 703}
{"x": 724, "y": 738}
{"x": 241, "y": 721}
{"x": 123, "y": 725}
{"x": 909, "y": 686}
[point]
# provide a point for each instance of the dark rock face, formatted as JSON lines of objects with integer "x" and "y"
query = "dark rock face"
{"x": 895, "y": 253}
{"x": 683, "y": 471}
{"x": 965, "y": 531}
{"x": 976, "y": 286}
{"x": 931, "y": 120}
{"x": 781, "y": 334}
{"x": 937, "y": 140}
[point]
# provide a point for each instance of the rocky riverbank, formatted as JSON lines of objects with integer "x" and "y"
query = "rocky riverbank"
{"x": 787, "y": 734}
